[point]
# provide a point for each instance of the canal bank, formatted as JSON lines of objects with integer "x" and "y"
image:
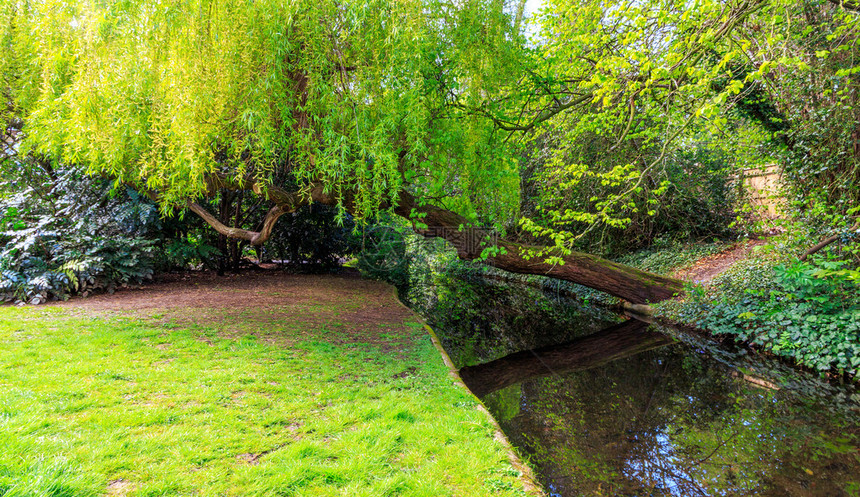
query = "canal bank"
{"x": 600, "y": 406}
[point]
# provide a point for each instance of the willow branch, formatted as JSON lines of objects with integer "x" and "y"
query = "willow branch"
{"x": 827, "y": 241}
{"x": 255, "y": 237}
{"x": 278, "y": 196}
{"x": 543, "y": 116}
{"x": 285, "y": 202}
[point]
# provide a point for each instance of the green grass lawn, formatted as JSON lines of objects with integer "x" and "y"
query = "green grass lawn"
{"x": 149, "y": 404}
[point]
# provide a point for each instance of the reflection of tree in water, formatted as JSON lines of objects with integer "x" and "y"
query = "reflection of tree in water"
{"x": 615, "y": 342}
{"x": 672, "y": 422}
{"x": 479, "y": 322}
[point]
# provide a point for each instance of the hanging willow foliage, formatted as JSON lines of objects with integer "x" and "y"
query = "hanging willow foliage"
{"x": 353, "y": 95}
{"x": 420, "y": 107}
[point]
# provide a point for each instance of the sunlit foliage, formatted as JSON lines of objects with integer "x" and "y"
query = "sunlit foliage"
{"x": 440, "y": 98}
{"x": 361, "y": 96}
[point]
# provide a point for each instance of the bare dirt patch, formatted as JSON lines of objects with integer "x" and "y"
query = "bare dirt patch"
{"x": 273, "y": 305}
{"x": 707, "y": 268}
{"x": 119, "y": 487}
{"x": 254, "y": 459}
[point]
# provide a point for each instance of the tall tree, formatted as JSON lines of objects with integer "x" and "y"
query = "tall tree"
{"x": 412, "y": 106}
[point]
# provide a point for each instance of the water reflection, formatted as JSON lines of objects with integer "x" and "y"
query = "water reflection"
{"x": 630, "y": 411}
{"x": 670, "y": 422}
{"x": 625, "y": 339}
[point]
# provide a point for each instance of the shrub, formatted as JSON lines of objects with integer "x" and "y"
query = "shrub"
{"x": 188, "y": 250}
{"x": 666, "y": 255}
{"x": 384, "y": 254}
{"x": 65, "y": 233}
{"x": 311, "y": 239}
{"x": 806, "y": 311}
{"x": 690, "y": 197}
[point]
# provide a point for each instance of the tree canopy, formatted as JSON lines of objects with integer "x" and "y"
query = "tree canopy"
{"x": 358, "y": 96}
{"x": 427, "y": 108}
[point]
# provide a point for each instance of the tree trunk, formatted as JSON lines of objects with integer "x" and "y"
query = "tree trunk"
{"x": 622, "y": 340}
{"x": 628, "y": 283}
{"x": 827, "y": 241}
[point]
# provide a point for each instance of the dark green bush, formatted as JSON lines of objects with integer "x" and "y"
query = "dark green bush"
{"x": 188, "y": 250}
{"x": 65, "y": 233}
{"x": 311, "y": 239}
{"x": 385, "y": 255}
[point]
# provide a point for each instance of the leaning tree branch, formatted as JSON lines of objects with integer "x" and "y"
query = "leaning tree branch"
{"x": 628, "y": 283}
{"x": 827, "y": 241}
{"x": 631, "y": 284}
{"x": 255, "y": 237}
{"x": 285, "y": 202}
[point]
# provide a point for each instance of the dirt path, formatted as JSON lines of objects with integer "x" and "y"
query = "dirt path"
{"x": 705, "y": 269}
{"x": 361, "y": 310}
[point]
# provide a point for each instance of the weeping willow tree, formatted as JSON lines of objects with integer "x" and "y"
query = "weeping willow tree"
{"x": 408, "y": 106}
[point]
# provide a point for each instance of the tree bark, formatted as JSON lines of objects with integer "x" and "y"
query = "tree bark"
{"x": 622, "y": 340}
{"x": 827, "y": 241}
{"x": 255, "y": 237}
{"x": 628, "y": 283}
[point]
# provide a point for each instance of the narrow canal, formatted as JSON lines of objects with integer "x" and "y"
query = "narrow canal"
{"x": 600, "y": 406}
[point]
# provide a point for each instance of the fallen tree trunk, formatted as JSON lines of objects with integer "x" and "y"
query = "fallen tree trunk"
{"x": 622, "y": 340}
{"x": 628, "y": 283}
